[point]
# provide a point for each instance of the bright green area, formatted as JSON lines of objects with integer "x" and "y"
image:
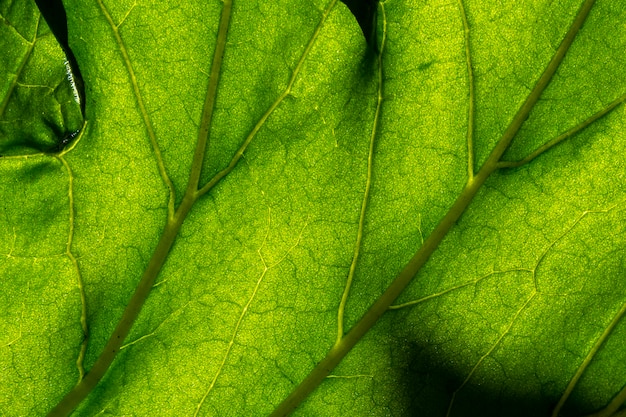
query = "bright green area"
{"x": 37, "y": 103}
{"x": 505, "y": 313}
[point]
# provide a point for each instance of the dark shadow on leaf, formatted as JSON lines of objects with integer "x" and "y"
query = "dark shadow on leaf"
{"x": 54, "y": 14}
{"x": 426, "y": 385}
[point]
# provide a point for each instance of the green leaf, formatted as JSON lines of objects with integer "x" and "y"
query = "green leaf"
{"x": 329, "y": 175}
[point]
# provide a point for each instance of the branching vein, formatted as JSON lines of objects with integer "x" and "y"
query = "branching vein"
{"x": 454, "y": 288}
{"x": 534, "y": 292}
{"x": 419, "y": 259}
{"x": 599, "y": 343}
{"x": 20, "y": 69}
{"x": 271, "y": 109}
{"x": 245, "y": 309}
{"x": 571, "y": 132}
{"x": 490, "y": 351}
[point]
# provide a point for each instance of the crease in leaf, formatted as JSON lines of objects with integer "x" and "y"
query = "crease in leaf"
{"x": 364, "y": 12}
{"x": 38, "y": 107}
{"x": 54, "y": 14}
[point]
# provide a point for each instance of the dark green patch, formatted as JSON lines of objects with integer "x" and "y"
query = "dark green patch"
{"x": 425, "y": 65}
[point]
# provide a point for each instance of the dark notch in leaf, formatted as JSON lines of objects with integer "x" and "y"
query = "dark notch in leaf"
{"x": 365, "y": 13}
{"x": 54, "y": 14}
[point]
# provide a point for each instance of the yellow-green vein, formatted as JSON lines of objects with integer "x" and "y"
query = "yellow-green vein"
{"x": 456, "y": 287}
{"x": 600, "y": 342}
{"x": 366, "y": 193}
{"x": 75, "y": 142}
{"x": 489, "y": 352}
{"x": 70, "y": 238}
{"x": 142, "y": 109}
{"x": 470, "y": 81}
{"x": 51, "y": 154}
{"x": 174, "y": 222}
{"x": 79, "y": 279}
{"x": 421, "y": 256}
{"x": 565, "y": 232}
{"x": 21, "y": 319}
{"x": 172, "y": 316}
{"x": 245, "y": 309}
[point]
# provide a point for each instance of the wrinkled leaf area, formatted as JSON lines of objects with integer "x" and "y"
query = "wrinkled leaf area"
{"x": 38, "y": 107}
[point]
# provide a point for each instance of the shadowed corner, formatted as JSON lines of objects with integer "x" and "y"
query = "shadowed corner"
{"x": 365, "y": 12}
{"x": 425, "y": 386}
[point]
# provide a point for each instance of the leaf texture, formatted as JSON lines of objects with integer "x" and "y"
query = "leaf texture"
{"x": 326, "y": 168}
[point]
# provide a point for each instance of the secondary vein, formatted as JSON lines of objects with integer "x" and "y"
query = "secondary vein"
{"x": 31, "y": 46}
{"x": 79, "y": 278}
{"x": 470, "y": 80}
{"x": 540, "y": 86}
{"x": 142, "y": 109}
{"x": 564, "y": 136}
{"x": 174, "y": 222}
{"x": 366, "y": 193}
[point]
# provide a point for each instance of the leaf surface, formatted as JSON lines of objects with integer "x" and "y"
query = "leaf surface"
{"x": 517, "y": 311}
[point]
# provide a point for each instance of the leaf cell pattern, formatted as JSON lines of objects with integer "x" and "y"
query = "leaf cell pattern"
{"x": 268, "y": 245}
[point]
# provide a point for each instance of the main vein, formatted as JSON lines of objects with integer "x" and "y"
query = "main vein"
{"x": 174, "y": 222}
{"x": 192, "y": 194}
